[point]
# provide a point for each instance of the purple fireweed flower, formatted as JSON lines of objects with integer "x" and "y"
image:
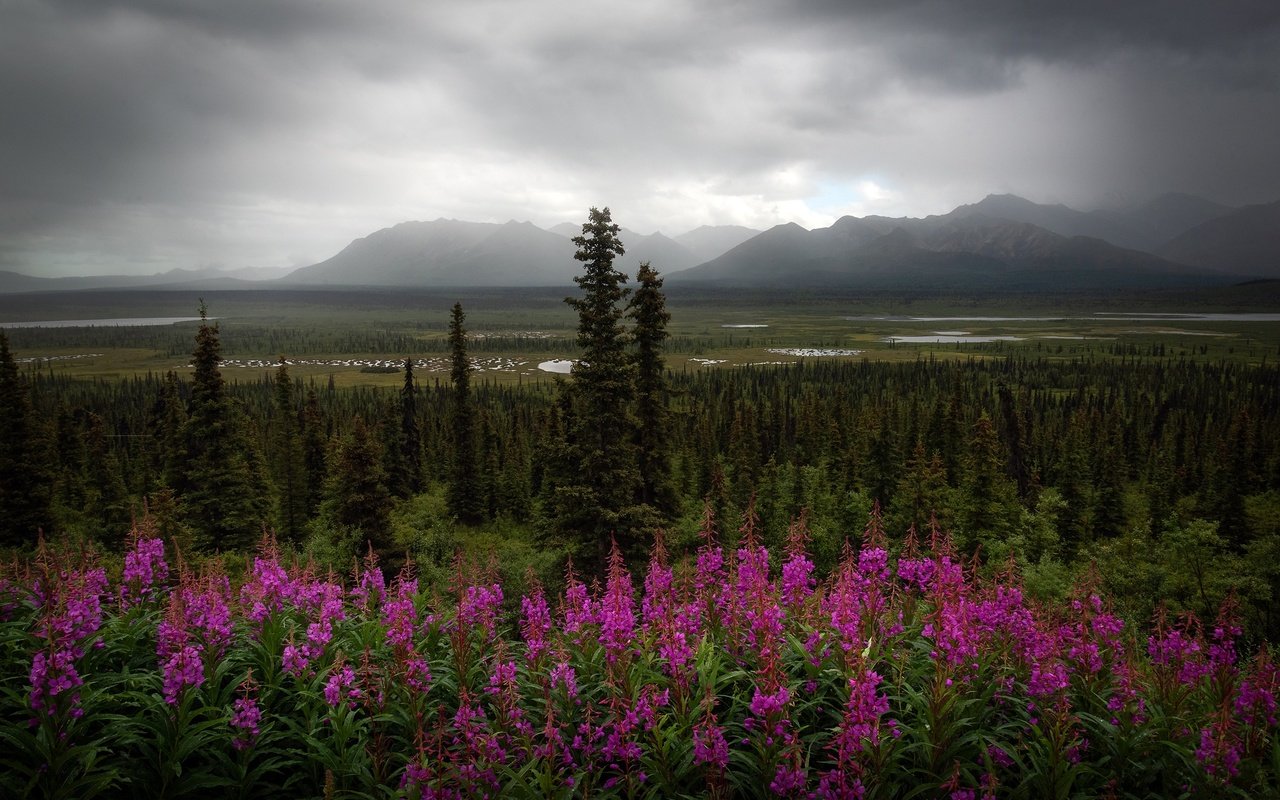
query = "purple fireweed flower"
{"x": 797, "y": 580}
{"x": 617, "y": 610}
{"x": 863, "y": 712}
{"x": 400, "y": 615}
{"x": 209, "y": 616}
{"x": 535, "y": 624}
{"x": 503, "y": 678}
{"x": 340, "y": 687}
{"x": 1220, "y": 750}
{"x": 479, "y": 609}
{"x": 678, "y": 637}
{"x": 294, "y": 660}
{"x": 873, "y": 565}
{"x": 843, "y": 608}
{"x": 70, "y": 605}
{"x": 577, "y": 609}
{"x": 267, "y": 589}
{"x": 838, "y": 785}
{"x": 370, "y": 588}
{"x": 1175, "y": 649}
{"x": 917, "y": 573}
{"x": 788, "y": 780}
{"x": 658, "y": 592}
{"x": 1256, "y": 700}
{"x": 52, "y": 673}
{"x": 417, "y": 674}
{"x": 709, "y": 579}
{"x": 184, "y": 668}
{"x": 144, "y": 568}
{"x": 246, "y": 719}
{"x": 709, "y": 745}
{"x": 999, "y": 757}
{"x": 562, "y": 674}
{"x": 763, "y": 704}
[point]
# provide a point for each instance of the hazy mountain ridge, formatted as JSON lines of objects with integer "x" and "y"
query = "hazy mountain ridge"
{"x": 1000, "y": 241}
{"x": 973, "y": 246}
{"x": 1246, "y": 240}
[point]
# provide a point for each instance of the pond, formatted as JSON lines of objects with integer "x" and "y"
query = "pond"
{"x": 948, "y": 337}
{"x": 558, "y": 365}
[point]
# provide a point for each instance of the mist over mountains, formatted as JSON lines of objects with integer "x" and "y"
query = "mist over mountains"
{"x": 1000, "y": 242}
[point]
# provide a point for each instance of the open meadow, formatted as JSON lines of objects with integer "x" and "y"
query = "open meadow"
{"x": 359, "y": 337}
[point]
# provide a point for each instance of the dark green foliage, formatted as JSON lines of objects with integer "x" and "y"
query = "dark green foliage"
{"x": 649, "y": 312}
{"x": 989, "y": 508}
{"x": 165, "y": 431}
{"x": 288, "y": 467}
{"x": 314, "y": 452}
{"x": 25, "y": 478}
{"x": 357, "y": 504}
{"x": 404, "y": 473}
{"x": 222, "y": 486}
{"x": 596, "y": 498}
{"x": 465, "y": 500}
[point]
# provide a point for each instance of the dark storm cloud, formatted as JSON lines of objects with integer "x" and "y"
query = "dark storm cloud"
{"x": 1051, "y": 30}
{"x": 169, "y": 133}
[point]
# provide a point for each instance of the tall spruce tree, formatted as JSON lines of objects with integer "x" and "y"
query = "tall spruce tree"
{"x": 108, "y": 506}
{"x": 357, "y": 504}
{"x": 599, "y": 501}
{"x": 410, "y": 481}
{"x": 464, "y": 497}
{"x": 648, "y": 310}
{"x": 222, "y": 485}
{"x": 315, "y": 452}
{"x": 167, "y": 422}
{"x": 25, "y": 485}
{"x": 288, "y": 468}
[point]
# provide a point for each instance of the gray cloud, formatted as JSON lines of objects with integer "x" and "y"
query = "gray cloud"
{"x": 153, "y": 134}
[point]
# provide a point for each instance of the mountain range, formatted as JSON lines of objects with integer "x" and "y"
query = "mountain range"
{"x": 1002, "y": 241}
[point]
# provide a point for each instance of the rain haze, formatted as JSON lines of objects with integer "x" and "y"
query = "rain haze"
{"x": 139, "y": 137}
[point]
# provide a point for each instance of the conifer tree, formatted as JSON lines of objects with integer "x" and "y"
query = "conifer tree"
{"x": 648, "y": 310}
{"x": 288, "y": 468}
{"x": 108, "y": 500}
{"x": 410, "y": 481}
{"x": 314, "y": 452}
{"x": 167, "y": 422}
{"x": 465, "y": 502}
{"x": 922, "y": 493}
{"x": 597, "y": 502}
{"x": 25, "y": 482}
{"x": 988, "y": 505}
{"x": 69, "y": 483}
{"x": 357, "y": 504}
{"x": 222, "y": 485}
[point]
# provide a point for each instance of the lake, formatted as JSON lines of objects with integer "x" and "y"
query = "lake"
{"x": 122, "y": 322}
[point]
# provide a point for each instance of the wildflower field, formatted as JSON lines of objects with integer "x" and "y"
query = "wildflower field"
{"x": 727, "y": 673}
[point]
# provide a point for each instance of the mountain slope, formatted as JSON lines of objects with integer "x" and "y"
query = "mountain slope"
{"x": 447, "y": 252}
{"x": 711, "y": 241}
{"x": 965, "y": 250}
{"x": 1142, "y": 227}
{"x": 1245, "y": 241}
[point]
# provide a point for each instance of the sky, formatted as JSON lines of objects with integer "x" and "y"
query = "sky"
{"x": 138, "y": 136}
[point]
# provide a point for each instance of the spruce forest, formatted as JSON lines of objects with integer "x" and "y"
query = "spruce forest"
{"x": 1001, "y": 573}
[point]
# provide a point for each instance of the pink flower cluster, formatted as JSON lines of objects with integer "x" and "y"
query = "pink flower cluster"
{"x": 145, "y": 571}
{"x": 70, "y": 615}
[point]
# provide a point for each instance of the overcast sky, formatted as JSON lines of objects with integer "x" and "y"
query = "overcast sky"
{"x": 140, "y": 136}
